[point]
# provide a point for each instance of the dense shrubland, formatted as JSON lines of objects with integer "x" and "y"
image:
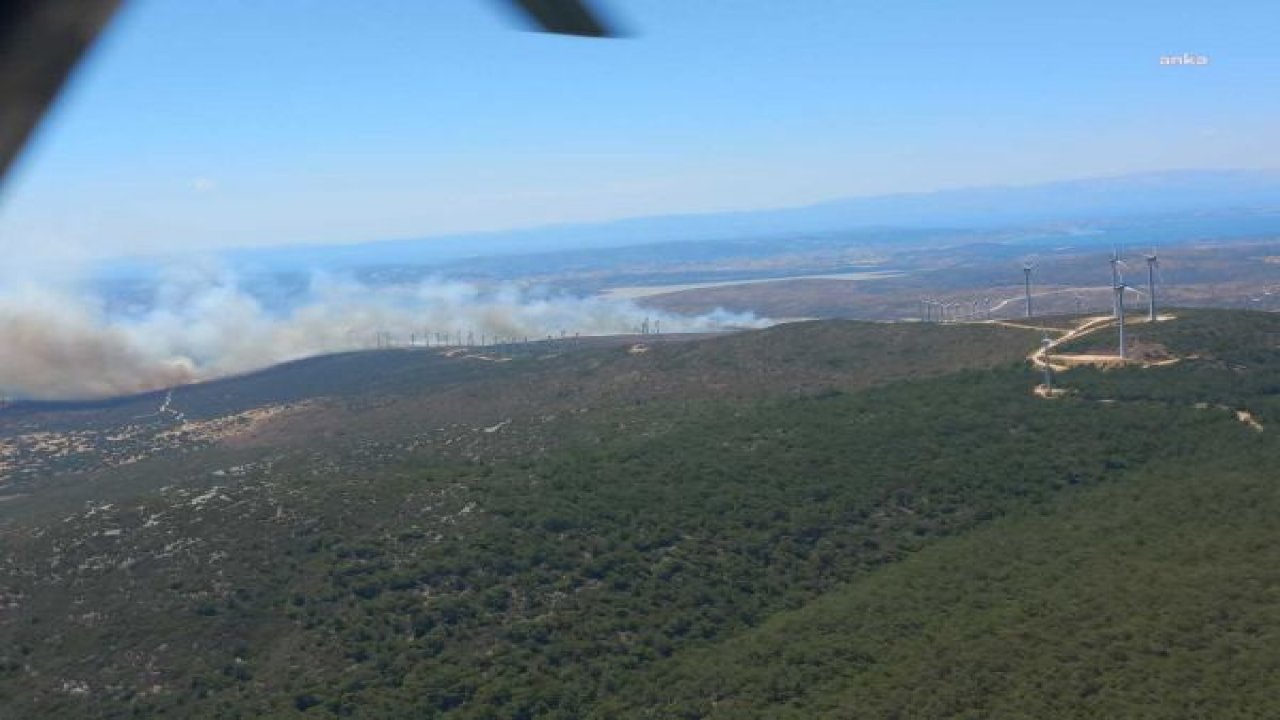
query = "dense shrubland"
{"x": 950, "y": 546}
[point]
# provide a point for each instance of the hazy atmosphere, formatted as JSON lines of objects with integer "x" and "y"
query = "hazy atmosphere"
{"x": 211, "y": 125}
{"x": 200, "y": 324}
{"x": 211, "y": 133}
{"x": 636, "y": 359}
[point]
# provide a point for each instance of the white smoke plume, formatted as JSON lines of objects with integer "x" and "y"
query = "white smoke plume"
{"x": 57, "y": 344}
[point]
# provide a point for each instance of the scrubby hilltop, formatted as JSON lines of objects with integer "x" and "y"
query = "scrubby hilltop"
{"x": 823, "y": 519}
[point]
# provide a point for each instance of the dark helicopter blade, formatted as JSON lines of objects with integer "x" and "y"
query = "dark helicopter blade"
{"x": 40, "y": 43}
{"x": 566, "y": 17}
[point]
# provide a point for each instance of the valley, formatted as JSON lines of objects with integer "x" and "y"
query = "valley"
{"x": 1070, "y": 279}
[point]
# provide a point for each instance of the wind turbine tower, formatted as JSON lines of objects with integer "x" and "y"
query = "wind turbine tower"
{"x": 1115, "y": 280}
{"x": 1152, "y": 264}
{"x": 1046, "y": 343}
{"x": 1120, "y": 288}
{"x": 1026, "y": 273}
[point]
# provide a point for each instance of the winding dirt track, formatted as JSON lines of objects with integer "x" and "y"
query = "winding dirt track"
{"x": 1041, "y": 356}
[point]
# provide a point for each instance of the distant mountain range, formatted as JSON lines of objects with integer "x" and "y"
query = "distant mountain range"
{"x": 1252, "y": 195}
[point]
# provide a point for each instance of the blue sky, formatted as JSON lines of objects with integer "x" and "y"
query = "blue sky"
{"x": 217, "y": 123}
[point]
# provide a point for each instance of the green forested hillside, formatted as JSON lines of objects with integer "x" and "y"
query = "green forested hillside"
{"x": 945, "y": 546}
{"x": 1154, "y": 597}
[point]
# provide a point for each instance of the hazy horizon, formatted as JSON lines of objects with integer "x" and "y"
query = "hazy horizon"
{"x": 235, "y": 126}
{"x": 585, "y": 234}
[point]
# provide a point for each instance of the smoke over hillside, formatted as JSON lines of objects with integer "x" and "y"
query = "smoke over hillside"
{"x": 60, "y": 344}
